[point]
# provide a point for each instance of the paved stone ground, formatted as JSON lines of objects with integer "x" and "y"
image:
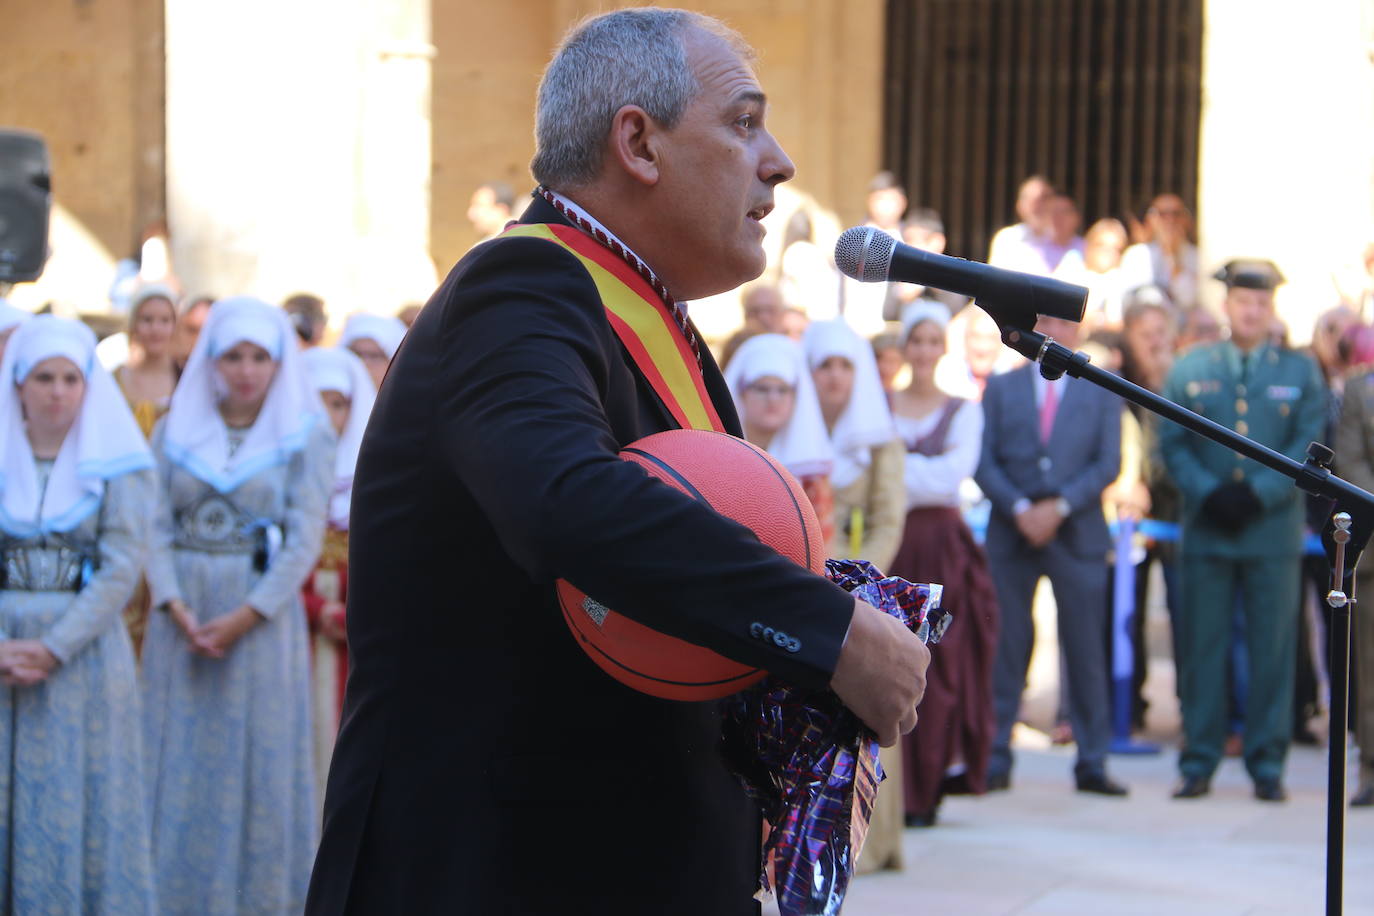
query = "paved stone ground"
{"x": 1044, "y": 849}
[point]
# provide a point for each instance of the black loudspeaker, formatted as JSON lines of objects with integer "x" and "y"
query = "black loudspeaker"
{"x": 25, "y": 197}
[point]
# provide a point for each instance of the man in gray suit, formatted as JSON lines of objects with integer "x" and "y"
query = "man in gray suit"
{"x": 1049, "y": 449}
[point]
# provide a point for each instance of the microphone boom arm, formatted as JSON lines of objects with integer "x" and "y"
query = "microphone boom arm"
{"x": 1344, "y": 538}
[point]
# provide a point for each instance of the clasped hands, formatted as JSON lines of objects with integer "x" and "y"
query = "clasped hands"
{"x": 25, "y": 662}
{"x": 215, "y": 637}
{"x": 1232, "y": 506}
{"x": 333, "y": 621}
{"x": 1039, "y": 522}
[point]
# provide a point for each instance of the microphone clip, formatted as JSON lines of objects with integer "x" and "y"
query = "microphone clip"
{"x": 1054, "y": 358}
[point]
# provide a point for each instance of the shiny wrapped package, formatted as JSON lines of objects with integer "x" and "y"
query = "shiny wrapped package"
{"x": 811, "y": 765}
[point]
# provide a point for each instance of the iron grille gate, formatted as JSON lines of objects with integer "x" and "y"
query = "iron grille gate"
{"x": 1100, "y": 96}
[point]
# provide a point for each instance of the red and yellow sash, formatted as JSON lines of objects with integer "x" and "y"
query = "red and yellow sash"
{"x": 642, "y": 323}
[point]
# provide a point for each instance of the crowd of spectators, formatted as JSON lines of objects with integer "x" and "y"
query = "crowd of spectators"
{"x": 926, "y": 447}
{"x": 1045, "y": 476}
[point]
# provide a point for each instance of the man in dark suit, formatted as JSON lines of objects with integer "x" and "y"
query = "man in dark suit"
{"x": 1049, "y": 450}
{"x": 485, "y": 764}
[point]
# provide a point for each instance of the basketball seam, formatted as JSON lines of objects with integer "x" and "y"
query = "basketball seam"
{"x": 672, "y": 472}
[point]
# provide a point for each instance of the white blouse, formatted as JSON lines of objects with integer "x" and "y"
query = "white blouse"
{"x": 935, "y": 480}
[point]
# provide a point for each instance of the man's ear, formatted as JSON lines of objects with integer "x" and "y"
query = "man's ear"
{"x": 633, "y": 144}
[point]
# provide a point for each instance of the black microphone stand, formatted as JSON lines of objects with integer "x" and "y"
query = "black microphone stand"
{"x": 1344, "y": 539}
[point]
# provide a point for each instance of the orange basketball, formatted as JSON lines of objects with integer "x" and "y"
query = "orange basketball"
{"x": 738, "y": 480}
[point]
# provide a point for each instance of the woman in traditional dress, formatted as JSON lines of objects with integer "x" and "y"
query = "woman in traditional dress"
{"x": 76, "y": 487}
{"x": 867, "y": 475}
{"x": 778, "y": 409}
{"x": 948, "y": 751}
{"x": 147, "y": 380}
{"x": 374, "y": 339}
{"x": 867, "y": 484}
{"x": 348, "y": 393}
{"x": 246, "y": 465}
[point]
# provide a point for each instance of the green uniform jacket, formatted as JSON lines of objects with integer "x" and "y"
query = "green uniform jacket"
{"x": 1278, "y": 400}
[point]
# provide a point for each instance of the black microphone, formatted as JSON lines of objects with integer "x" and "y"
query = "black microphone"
{"x": 1013, "y": 298}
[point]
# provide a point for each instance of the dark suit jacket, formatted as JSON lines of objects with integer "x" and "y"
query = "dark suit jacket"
{"x": 1081, "y": 458}
{"x": 485, "y": 765}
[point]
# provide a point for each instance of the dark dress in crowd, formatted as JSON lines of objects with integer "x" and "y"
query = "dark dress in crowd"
{"x": 956, "y": 715}
{"x": 485, "y": 764}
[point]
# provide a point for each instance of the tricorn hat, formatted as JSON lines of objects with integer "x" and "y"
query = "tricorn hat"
{"x": 1249, "y": 273}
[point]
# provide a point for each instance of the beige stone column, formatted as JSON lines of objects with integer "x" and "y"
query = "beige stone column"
{"x": 1286, "y": 170}
{"x": 297, "y": 149}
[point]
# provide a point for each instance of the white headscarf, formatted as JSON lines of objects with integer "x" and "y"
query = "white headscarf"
{"x": 196, "y": 438}
{"x": 384, "y": 329}
{"x": 337, "y": 369}
{"x": 151, "y": 291}
{"x": 103, "y": 442}
{"x": 866, "y": 421}
{"x": 922, "y": 309}
{"x": 11, "y": 316}
{"x": 802, "y": 445}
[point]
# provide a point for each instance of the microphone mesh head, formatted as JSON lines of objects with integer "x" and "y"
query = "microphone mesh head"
{"x": 864, "y": 253}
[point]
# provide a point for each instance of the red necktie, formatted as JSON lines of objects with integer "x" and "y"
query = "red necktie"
{"x": 1048, "y": 408}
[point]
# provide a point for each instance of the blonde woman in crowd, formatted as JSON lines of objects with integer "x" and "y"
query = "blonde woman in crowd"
{"x": 374, "y": 339}
{"x": 777, "y": 405}
{"x": 867, "y": 485}
{"x": 149, "y": 376}
{"x": 147, "y": 380}
{"x": 76, "y": 483}
{"x": 347, "y": 391}
{"x": 948, "y": 752}
{"x": 246, "y": 466}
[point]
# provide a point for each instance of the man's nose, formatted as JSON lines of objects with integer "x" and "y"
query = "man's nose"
{"x": 775, "y": 167}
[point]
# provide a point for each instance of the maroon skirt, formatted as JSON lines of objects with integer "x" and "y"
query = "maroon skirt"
{"x": 956, "y": 721}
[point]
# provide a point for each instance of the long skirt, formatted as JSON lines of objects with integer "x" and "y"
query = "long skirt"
{"x": 956, "y": 719}
{"x": 73, "y": 814}
{"x": 235, "y": 817}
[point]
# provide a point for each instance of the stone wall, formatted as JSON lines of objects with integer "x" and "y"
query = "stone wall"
{"x": 820, "y": 62}
{"x": 88, "y": 76}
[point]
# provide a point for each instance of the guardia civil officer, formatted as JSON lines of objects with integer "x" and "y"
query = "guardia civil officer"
{"x": 1242, "y": 531}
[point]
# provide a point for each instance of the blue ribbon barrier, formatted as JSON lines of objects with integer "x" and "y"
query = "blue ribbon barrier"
{"x": 1123, "y": 645}
{"x": 977, "y": 520}
{"x": 1124, "y": 610}
{"x": 1169, "y": 531}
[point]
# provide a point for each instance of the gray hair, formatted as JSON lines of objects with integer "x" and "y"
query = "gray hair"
{"x": 627, "y": 57}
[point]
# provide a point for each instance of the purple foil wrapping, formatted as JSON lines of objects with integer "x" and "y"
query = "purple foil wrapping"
{"x": 812, "y": 765}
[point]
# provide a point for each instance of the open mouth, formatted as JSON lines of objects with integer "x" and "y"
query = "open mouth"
{"x": 758, "y": 213}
